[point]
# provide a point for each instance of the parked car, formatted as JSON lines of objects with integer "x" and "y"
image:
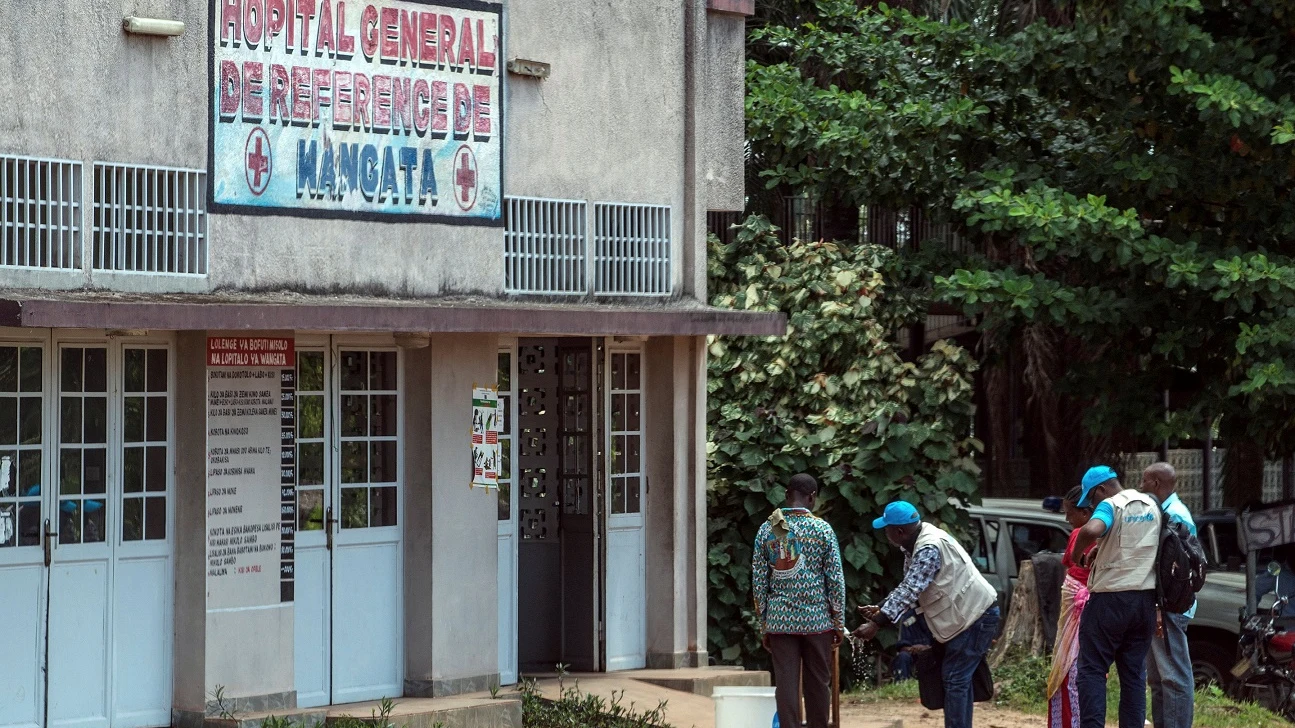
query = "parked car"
{"x": 1012, "y": 530}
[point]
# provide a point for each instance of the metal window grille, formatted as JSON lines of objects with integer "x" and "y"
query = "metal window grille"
{"x": 632, "y": 250}
{"x": 150, "y": 219}
{"x": 40, "y": 212}
{"x": 546, "y": 249}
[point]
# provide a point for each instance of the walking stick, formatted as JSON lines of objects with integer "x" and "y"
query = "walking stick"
{"x": 836, "y": 686}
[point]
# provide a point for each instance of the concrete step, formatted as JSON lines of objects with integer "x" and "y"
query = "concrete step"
{"x": 465, "y": 711}
{"x": 469, "y": 711}
{"x": 295, "y": 718}
{"x": 703, "y": 680}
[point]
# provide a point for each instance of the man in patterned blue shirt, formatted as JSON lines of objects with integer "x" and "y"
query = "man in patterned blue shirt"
{"x": 799, "y": 591}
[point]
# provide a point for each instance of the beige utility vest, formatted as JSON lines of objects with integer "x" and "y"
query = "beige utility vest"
{"x": 1126, "y": 555}
{"x": 958, "y": 595}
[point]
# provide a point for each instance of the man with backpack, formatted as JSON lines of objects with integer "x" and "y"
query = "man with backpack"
{"x": 1169, "y": 670}
{"x": 1119, "y": 621}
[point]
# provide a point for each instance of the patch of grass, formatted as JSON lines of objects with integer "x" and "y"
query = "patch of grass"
{"x": 1215, "y": 710}
{"x": 1022, "y": 684}
{"x": 905, "y": 690}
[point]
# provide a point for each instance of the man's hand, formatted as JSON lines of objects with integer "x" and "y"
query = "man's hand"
{"x": 867, "y": 631}
{"x": 837, "y": 636}
{"x": 869, "y": 612}
{"x": 764, "y": 640}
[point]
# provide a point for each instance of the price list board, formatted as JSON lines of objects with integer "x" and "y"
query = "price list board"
{"x": 287, "y": 482}
{"x": 249, "y": 527}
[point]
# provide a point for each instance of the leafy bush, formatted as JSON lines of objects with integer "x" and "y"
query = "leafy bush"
{"x": 833, "y": 398}
{"x": 577, "y": 710}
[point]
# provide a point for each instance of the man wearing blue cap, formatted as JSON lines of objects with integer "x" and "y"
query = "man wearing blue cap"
{"x": 1119, "y": 621}
{"x": 944, "y": 585}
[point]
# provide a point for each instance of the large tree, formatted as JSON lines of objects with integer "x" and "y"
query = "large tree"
{"x": 1125, "y": 170}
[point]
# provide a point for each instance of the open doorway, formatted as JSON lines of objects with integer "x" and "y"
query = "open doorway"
{"x": 558, "y": 612}
{"x": 572, "y": 578}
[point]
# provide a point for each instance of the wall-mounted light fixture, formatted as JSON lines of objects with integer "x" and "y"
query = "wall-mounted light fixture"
{"x": 534, "y": 69}
{"x": 151, "y": 26}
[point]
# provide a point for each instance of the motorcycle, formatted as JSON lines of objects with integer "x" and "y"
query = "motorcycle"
{"x": 1265, "y": 673}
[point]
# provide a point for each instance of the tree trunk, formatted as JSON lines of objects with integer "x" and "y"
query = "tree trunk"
{"x": 1243, "y": 473}
{"x": 1023, "y": 630}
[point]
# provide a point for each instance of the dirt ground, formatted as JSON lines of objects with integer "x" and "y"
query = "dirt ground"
{"x": 915, "y": 716}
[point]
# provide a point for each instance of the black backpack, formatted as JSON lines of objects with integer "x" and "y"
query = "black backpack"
{"x": 1180, "y": 567}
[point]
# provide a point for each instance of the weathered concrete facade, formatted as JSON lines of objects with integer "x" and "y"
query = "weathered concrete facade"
{"x": 643, "y": 106}
{"x": 398, "y": 579}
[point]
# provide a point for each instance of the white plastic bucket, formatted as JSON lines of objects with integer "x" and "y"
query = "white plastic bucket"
{"x": 744, "y": 707}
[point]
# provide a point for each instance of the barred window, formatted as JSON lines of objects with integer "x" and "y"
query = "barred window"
{"x": 40, "y": 213}
{"x": 545, "y": 246}
{"x": 150, "y": 219}
{"x": 632, "y": 250}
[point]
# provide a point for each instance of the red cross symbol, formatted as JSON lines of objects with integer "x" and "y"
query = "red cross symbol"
{"x": 465, "y": 178}
{"x": 259, "y": 165}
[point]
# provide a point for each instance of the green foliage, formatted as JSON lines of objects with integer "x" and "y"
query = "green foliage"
{"x": 833, "y": 398}
{"x": 1127, "y": 175}
{"x": 579, "y": 710}
{"x": 1022, "y": 682}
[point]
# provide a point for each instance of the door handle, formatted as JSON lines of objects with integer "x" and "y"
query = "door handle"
{"x": 48, "y": 543}
{"x": 328, "y": 527}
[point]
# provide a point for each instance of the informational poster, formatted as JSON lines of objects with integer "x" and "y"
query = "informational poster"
{"x": 487, "y": 421}
{"x": 357, "y": 108}
{"x": 250, "y": 404}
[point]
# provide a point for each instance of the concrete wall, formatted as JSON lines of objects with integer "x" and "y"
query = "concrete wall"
{"x": 190, "y": 519}
{"x": 417, "y": 430}
{"x": 676, "y": 502}
{"x": 463, "y": 609}
{"x": 246, "y": 653}
{"x": 614, "y": 122}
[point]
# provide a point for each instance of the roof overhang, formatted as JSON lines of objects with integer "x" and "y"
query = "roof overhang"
{"x": 286, "y": 311}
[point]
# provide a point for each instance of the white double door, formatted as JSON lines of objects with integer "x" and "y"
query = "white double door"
{"x": 348, "y": 614}
{"x": 86, "y": 533}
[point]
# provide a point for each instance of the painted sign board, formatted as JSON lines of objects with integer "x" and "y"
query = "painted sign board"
{"x": 386, "y": 109}
{"x": 251, "y": 474}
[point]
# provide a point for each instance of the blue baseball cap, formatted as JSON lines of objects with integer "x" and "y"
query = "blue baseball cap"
{"x": 1093, "y": 478}
{"x": 897, "y": 513}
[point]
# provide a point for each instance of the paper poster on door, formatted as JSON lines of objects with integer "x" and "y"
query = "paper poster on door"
{"x": 487, "y": 421}
{"x": 250, "y": 406}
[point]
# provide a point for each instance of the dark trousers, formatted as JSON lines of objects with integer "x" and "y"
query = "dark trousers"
{"x": 812, "y": 654}
{"x": 1116, "y": 627}
{"x": 962, "y": 655}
